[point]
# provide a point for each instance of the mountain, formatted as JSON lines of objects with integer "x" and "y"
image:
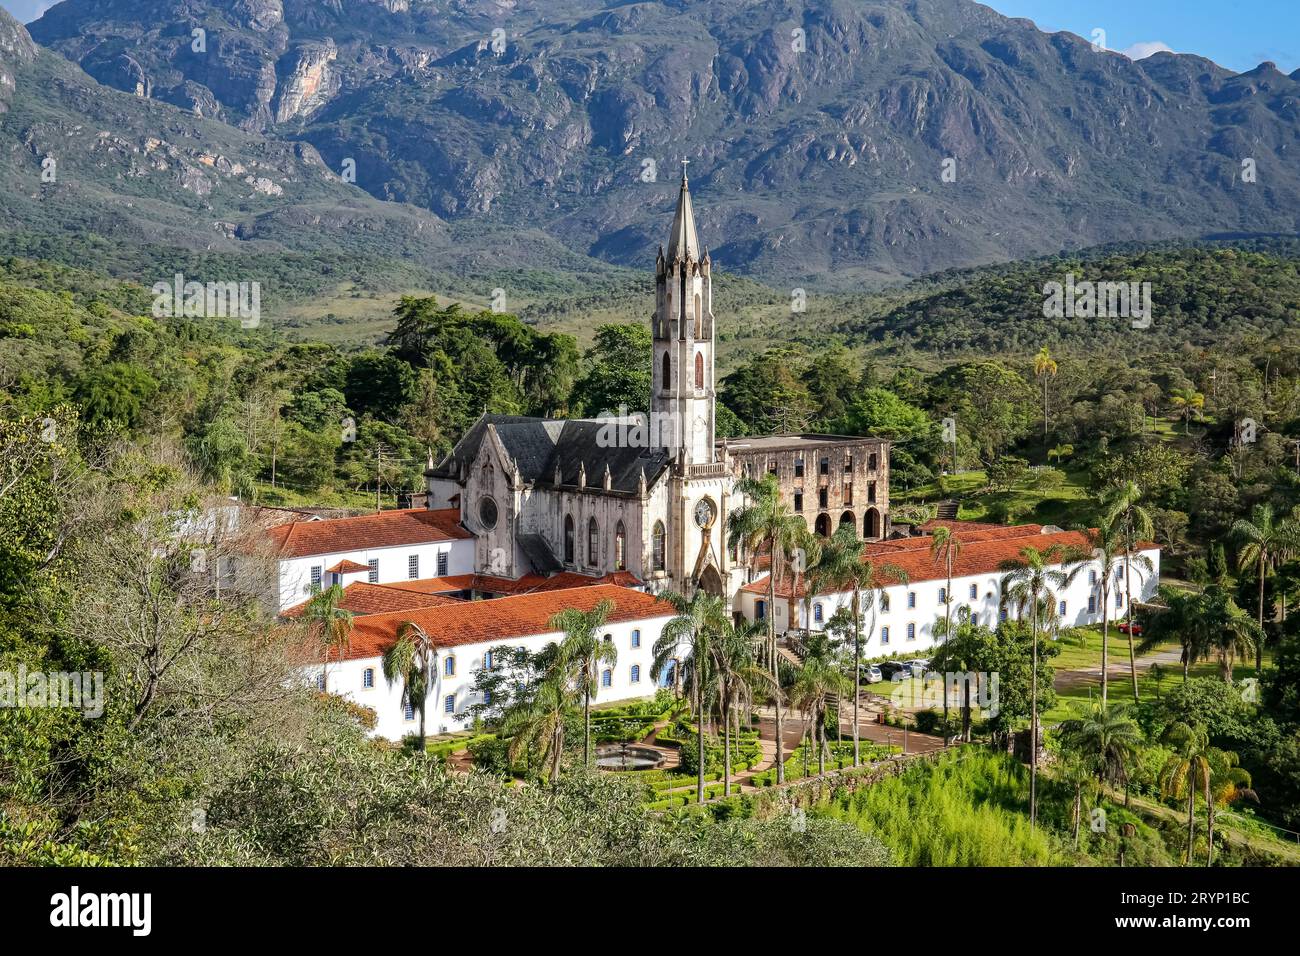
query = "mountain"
{"x": 817, "y": 130}
{"x": 134, "y": 185}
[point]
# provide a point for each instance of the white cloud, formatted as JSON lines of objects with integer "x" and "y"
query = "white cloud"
{"x": 1140, "y": 51}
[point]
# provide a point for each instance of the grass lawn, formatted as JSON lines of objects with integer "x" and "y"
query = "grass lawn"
{"x": 1066, "y": 504}
{"x": 1121, "y": 688}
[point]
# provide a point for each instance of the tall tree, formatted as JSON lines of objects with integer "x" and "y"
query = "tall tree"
{"x": 412, "y": 660}
{"x": 1031, "y": 581}
{"x": 764, "y": 526}
{"x": 701, "y": 619}
{"x": 329, "y": 625}
{"x": 1105, "y": 545}
{"x": 1044, "y": 370}
{"x": 843, "y": 569}
{"x": 584, "y": 651}
{"x": 1265, "y": 542}
{"x": 735, "y": 652}
{"x": 1187, "y": 771}
{"x": 1134, "y": 520}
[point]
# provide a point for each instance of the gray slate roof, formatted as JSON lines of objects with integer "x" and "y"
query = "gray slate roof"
{"x": 537, "y": 445}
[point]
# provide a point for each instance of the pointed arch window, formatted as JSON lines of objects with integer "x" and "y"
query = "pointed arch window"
{"x": 657, "y": 546}
{"x": 668, "y": 372}
{"x": 568, "y": 539}
{"x": 620, "y": 548}
{"x": 699, "y": 369}
{"x": 593, "y": 541}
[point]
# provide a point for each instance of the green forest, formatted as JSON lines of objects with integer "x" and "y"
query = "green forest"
{"x": 112, "y": 420}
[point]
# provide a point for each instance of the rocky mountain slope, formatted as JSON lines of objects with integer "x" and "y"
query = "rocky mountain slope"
{"x": 81, "y": 163}
{"x": 819, "y": 131}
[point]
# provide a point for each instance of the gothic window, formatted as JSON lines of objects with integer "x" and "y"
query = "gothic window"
{"x": 620, "y": 548}
{"x": 568, "y": 539}
{"x": 657, "y": 546}
{"x": 699, "y": 369}
{"x": 668, "y": 372}
{"x": 593, "y": 541}
{"x": 699, "y": 319}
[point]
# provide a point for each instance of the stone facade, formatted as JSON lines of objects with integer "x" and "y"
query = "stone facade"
{"x": 828, "y": 480}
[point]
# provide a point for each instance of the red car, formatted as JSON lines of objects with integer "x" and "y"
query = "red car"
{"x": 1137, "y": 629}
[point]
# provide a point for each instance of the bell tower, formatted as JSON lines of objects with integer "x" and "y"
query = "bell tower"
{"x": 682, "y": 391}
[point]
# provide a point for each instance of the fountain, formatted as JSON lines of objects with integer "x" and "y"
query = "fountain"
{"x": 627, "y": 756}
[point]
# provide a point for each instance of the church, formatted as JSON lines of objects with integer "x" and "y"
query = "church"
{"x": 649, "y": 495}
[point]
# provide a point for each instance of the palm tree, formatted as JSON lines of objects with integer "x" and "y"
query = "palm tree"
{"x": 819, "y": 679}
{"x": 1060, "y": 452}
{"x": 961, "y": 651}
{"x": 412, "y": 660}
{"x": 584, "y": 651}
{"x": 1187, "y": 771}
{"x": 330, "y": 626}
{"x": 843, "y": 568}
{"x": 736, "y": 674}
{"x": 1032, "y": 581}
{"x": 1228, "y": 783}
{"x": 538, "y": 720}
{"x": 1044, "y": 369}
{"x": 1182, "y": 618}
{"x": 1109, "y": 736}
{"x": 945, "y": 542}
{"x": 1230, "y": 631}
{"x": 1266, "y": 541}
{"x": 1105, "y": 544}
{"x": 765, "y": 525}
{"x": 1135, "y": 526}
{"x": 700, "y": 618}
{"x": 1188, "y": 402}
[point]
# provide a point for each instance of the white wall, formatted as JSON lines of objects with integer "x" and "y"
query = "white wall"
{"x": 984, "y": 607}
{"x": 347, "y": 679}
{"x": 295, "y": 573}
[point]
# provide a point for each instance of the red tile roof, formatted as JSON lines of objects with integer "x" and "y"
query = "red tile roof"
{"x": 387, "y": 529}
{"x": 528, "y": 584}
{"x": 982, "y": 552}
{"x": 502, "y": 619}
{"x": 362, "y": 598}
{"x": 347, "y": 567}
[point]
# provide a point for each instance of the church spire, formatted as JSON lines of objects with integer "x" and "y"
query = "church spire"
{"x": 682, "y": 241}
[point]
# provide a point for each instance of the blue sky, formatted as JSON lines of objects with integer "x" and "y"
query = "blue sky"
{"x": 1237, "y": 35}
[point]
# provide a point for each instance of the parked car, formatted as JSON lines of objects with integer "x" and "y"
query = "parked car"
{"x": 919, "y": 666}
{"x": 870, "y": 674}
{"x": 1137, "y": 629}
{"x": 894, "y": 670}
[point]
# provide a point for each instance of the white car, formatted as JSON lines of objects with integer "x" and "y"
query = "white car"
{"x": 919, "y": 666}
